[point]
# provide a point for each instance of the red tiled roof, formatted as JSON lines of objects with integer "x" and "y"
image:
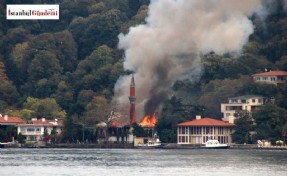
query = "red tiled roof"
{"x": 205, "y": 122}
{"x": 28, "y": 124}
{"x": 11, "y": 120}
{"x": 272, "y": 73}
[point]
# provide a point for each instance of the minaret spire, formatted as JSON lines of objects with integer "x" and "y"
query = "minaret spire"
{"x": 133, "y": 81}
{"x": 132, "y": 99}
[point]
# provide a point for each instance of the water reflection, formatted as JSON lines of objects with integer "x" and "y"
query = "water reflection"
{"x": 141, "y": 162}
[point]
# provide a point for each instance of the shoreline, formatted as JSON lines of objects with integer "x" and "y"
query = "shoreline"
{"x": 131, "y": 146}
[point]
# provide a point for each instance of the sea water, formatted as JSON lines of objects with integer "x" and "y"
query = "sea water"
{"x": 134, "y": 162}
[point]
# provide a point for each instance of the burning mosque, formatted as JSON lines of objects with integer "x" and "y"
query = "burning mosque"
{"x": 169, "y": 45}
{"x": 122, "y": 130}
{"x": 148, "y": 120}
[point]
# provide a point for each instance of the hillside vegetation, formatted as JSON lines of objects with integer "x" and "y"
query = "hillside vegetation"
{"x": 63, "y": 68}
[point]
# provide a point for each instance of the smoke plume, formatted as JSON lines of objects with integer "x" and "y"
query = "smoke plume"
{"x": 168, "y": 47}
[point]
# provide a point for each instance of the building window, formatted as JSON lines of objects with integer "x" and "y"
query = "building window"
{"x": 259, "y": 100}
{"x": 253, "y": 100}
{"x": 220, "y": 139}
{"x": 243, "y": 100}
{"x": 273, "y": 78}
{"x": 183, "y": 139}
{"x": 190, "y": 130}
{"x": 183, "y": 130}
{"x": 264, "y": 78}
{"x": 209, "y": 130}
{"x": 258, "y": 78}
{"x": 179, "y": 139}
{"x": 220, "y": 130}
{"x": 38, "y": 129}
{"x": 32, "y": 138}
{"x": 30, "y": 129}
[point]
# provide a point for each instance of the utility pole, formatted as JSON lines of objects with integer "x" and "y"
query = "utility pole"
{"x": 83, "y": 134}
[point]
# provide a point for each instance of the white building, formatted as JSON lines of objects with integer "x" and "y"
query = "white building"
{"x": 200, "y": 130}
{"x": 270, "y": 77}
{"x": 247, "y": 103}
{"x": 35, "y": 129}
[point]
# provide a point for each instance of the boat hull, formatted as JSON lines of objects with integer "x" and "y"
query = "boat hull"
{"x": 216, "y": 147}
{"x": 149, "y": 147}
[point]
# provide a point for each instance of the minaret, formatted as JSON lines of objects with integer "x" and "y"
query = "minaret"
{"x": 132, "y": 101}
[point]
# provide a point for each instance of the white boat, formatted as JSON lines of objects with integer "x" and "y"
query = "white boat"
{"x": 214, "y": 144}
{"x": 153, "y": 143}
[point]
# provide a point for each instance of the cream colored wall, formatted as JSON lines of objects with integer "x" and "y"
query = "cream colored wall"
{"x": 138, "y": 140}
{"x": 268, "y": 80}
{"x": 195, "y": 138}
{"x": 245, "y": 106}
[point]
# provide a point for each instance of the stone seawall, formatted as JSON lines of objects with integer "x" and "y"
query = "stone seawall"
{"x": 108, "y": 145}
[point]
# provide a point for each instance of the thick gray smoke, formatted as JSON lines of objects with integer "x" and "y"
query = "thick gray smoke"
{"x": 169, "y": 45}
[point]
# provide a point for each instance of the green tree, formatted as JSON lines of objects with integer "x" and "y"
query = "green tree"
{"x": 9, "y": 93}
{"x": 64, "y": 95}
{"x": 97, "y": 71}
{"x": 53, "y": 136}
{"x": 27, "y": 114}
{"x": 97, "y": 30}
{"x": 47, "y": 108}
{"x": 97, "y": 111}
{"x": 44, "y": 65}
{"x": 175, "y": 111}
{"x": 66, "y": 50}
{"x": 217, "y": 91}
{"x": 21, "y": 138}
{"x": 243, "y": 127}
{"x": 270, "y": 121}
{"x": 95, "y": 118}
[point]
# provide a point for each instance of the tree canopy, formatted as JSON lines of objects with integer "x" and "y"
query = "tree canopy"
{"x": 68, "y": 68}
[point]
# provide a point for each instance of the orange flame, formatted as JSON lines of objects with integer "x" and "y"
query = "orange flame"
{"x": 148, "y": 121}
{"x": 115, "y": 124}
